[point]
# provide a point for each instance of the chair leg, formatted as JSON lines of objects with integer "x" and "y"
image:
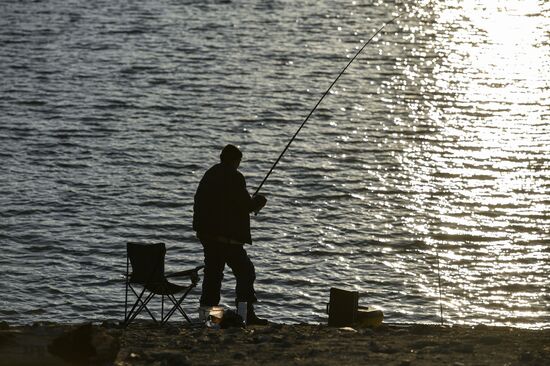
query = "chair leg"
{"x": 170, "y": 313}
{"x": 126, "y": 301}
{"x": 146, "y": 309}
{"x": 134, "y": 312}
{"x": 127, "y": 284}
{"x": 177, "y": 306}
{"x": 127, "y": 317}
{"x": 141, "y": 307}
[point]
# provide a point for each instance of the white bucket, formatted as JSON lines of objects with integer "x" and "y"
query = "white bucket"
{"x": 212, "y": 313}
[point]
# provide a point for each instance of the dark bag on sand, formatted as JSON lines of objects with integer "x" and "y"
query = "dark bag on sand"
{"x": 231, "y": 319}
{"x": 342, "y": 309}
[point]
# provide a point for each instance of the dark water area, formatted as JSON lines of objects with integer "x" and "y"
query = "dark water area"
{"x": 434, "y": 144}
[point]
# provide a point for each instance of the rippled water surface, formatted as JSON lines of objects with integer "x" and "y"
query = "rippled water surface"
{"x": 434, "y": 147}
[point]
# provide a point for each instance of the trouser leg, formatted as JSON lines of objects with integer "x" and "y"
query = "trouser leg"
{"x": 245, "y": 274}
{"x": 214, "y": 264}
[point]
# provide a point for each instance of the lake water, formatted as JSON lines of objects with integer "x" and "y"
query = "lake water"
{"x": 433, "y": 147}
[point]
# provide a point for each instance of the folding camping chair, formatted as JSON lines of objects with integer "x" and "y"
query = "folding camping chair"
{"x": 147, "y": 262}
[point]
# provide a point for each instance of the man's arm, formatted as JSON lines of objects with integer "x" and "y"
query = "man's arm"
{"x": 251, "y": 204}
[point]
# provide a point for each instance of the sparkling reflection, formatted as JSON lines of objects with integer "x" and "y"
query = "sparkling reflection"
{"x": 487, "y": 205}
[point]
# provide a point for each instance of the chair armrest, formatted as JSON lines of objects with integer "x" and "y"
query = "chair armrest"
{"x": 189, "y": 272}
{"x": 192, "y": 273}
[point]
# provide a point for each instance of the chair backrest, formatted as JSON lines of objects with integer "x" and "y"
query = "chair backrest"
{"x": 147, "y": 261}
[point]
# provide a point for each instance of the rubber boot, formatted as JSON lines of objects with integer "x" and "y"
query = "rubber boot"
{"x": 251, "y": 318}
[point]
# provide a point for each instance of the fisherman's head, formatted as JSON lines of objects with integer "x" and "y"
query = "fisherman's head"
{"x": 231, "y": 155}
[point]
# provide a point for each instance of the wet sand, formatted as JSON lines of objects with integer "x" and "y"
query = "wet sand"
{"x": 144, "y": 343}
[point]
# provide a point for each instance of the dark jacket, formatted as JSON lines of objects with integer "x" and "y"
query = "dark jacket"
{"x": 223, "y": 205}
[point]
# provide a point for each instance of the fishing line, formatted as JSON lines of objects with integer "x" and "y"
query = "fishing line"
{"x": 439, "y": 285}
{"x": 319, "y": 102}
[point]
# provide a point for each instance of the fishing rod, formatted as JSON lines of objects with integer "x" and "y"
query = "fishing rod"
{"x": 319, "y": 102}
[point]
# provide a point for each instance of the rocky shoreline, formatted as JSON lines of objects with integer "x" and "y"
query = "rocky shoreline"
{"x": 144, "y": 343}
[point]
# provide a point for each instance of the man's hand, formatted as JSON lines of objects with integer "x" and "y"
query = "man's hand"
{"x": 258, "y": 202}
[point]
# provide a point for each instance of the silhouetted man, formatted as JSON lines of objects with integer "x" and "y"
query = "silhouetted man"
{"x": 221, "y": 219}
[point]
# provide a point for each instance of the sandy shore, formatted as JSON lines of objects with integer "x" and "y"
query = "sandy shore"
{"x": 143, "y": 343}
